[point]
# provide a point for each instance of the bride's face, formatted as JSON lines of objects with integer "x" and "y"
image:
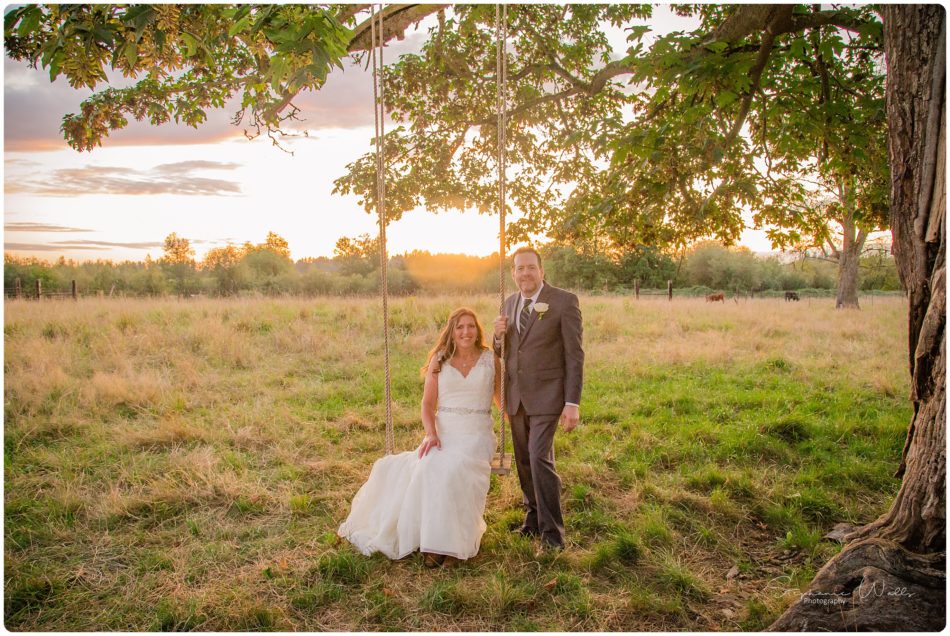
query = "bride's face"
{"x": 465, "y": 333}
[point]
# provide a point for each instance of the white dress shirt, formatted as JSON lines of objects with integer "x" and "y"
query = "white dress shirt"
{"x": 521, "y": 301}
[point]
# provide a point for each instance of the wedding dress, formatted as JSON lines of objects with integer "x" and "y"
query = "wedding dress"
{"x": 434, "y": 503}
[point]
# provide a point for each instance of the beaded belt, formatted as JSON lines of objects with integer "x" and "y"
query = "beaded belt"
{"x": 464, "y": 411}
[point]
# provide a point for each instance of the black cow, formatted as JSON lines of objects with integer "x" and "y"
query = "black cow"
{"x": 790, "y": 295}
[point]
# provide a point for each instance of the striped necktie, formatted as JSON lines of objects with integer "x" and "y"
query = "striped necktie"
{"x": 525, "y": 312}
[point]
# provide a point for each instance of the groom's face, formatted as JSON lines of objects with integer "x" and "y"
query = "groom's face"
{"x": 528, "y": 273}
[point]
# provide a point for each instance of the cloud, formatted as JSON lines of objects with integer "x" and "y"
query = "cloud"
{"x": 46, "y": 247}
{"x": 27, "y": 226}
{"x": 59, "y": 246}
{"x": 187, "y": 166}
{"x": 107, "y": 244}
{"x": 173, "y": 178}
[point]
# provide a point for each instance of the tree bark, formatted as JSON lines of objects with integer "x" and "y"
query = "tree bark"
{"x": 396, "y": 18}
{"x": 848, "y": 259}
{"x": 892, "y": 574}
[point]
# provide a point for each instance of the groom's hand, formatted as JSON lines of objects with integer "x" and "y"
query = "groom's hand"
{"x": 501, "y": 326}
{"x": 570, "y": 417}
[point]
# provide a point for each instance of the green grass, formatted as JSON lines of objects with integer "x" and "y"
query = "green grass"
{"x": 184, "y": 465}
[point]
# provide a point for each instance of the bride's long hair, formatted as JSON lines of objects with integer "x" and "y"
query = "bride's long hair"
{"x": 444, "y": 348}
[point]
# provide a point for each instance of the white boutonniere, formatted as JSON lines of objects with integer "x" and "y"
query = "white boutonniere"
{"x": 541, "y": 308}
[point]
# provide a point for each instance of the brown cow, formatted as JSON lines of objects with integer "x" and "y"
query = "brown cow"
{"x": 711, "y": 298}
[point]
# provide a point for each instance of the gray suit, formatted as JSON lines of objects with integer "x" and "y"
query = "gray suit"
{"x": 544, "y": 370}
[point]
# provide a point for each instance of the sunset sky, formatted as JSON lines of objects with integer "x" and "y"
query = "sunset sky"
{"x": 212, "y": 185}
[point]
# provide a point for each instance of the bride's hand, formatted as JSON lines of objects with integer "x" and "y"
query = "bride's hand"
{"x": 428, "y": 443}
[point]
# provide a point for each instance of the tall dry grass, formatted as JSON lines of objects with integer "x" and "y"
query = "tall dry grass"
{"x": 183, "y": 464}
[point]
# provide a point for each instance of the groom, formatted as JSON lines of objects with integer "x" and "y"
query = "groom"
{"x": 544, "y": 365}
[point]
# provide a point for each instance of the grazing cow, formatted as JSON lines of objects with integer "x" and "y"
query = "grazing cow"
{"x": 790, "y": 295}
{"x": 711, "y": 298}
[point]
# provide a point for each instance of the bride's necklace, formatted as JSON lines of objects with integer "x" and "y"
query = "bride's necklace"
{"x": 465, "y": 365}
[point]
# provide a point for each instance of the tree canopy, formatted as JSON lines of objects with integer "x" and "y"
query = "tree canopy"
{"x": 188, "y": 58}
{"x": 657, "y": 145}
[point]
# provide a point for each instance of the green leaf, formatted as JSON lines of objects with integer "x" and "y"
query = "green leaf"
{"x": 55, "y": 63}
{"x": 279, "y": 67}
{"x": 797, "y": 49}
{"x": 139, "y": 15}
{"x": 724, "y": 98}
{"x": 11, "y": 18}
{"x": 191, "y": 44}
{"x": 131, "y": 54}
{"x": 240, "y": 26}
{"x": 717, "y": 47}
{"x": 637, "y": 32}
{"x": 30, "y": 20}
{"x": 872, "y": 30}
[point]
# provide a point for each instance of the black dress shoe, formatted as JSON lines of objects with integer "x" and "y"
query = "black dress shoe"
{"x": 526, "y": 532}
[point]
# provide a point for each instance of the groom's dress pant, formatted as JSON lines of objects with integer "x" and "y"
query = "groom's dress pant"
{"x": 533, "y": 437}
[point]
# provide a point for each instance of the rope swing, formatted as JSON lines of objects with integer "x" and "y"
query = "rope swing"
{"x": 501, "y": 462}
{"x": 379, "y": 117}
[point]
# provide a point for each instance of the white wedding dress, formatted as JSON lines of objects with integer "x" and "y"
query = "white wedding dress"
{"x": 434, "y": 503}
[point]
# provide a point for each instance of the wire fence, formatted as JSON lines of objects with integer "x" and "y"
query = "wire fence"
{"x": 36, "y": 291}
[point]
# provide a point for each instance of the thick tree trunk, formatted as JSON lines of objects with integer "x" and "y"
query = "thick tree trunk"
{"x": 847, "y": 293}
{"x": 892, "y": 574}
{"x": 848, "y": 259}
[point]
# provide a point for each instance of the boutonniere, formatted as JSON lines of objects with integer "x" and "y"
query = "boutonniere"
{"x": 541, "y": 308}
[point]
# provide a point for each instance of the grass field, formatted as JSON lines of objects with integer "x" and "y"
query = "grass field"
{"x": 174, "y": 465}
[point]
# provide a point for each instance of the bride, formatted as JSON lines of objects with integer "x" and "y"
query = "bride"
{"x": 432, "y": 499}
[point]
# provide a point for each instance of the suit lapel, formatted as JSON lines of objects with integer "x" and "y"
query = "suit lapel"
{"x": 510, "y": 311}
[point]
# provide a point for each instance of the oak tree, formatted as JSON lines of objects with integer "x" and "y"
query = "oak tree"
{"x": 670, "y": 156}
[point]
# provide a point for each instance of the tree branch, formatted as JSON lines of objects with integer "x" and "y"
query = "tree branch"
{"x": 748, "y": 19}
{"x": 597, "y": 84}
{"x": 755, "y": 76}
{"x": 396, "y": 19}
{"x": 348, "y": 11}
{"x": 841, "y": 19}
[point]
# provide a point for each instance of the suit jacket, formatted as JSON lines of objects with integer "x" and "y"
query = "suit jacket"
{"x": 544, "y": 366}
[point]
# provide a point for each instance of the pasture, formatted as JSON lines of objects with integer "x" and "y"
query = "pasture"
{"x": 175, "y": 465}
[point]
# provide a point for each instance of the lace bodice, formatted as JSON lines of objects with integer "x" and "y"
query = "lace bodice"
{"x": 467, "y": 394}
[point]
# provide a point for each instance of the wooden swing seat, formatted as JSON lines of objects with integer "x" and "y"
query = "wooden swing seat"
{"x": 501, "y": 464}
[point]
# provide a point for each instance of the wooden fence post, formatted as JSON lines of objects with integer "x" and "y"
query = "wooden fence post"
{"x": 636, "y": 287}
{"x": 18, "y": 288}
{"x": 75, "y": 297}
{"x": 669, "y": 289}
{"x": 39, "y": 289}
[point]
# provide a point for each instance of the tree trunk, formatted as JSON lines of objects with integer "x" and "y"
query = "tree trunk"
{"x": 892, "y": 574}
{"x": 848, "y": 259}
{"x": 847, "y": 293}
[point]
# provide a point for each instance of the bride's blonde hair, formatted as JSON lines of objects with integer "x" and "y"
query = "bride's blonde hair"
{"x": 444, "y": 348}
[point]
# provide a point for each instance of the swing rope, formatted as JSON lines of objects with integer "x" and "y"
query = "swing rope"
{"x": 379, "y": 115}
{"x": 501, "y": 86}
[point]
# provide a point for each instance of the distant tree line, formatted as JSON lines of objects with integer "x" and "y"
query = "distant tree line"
{"x": 267, "y": 269}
